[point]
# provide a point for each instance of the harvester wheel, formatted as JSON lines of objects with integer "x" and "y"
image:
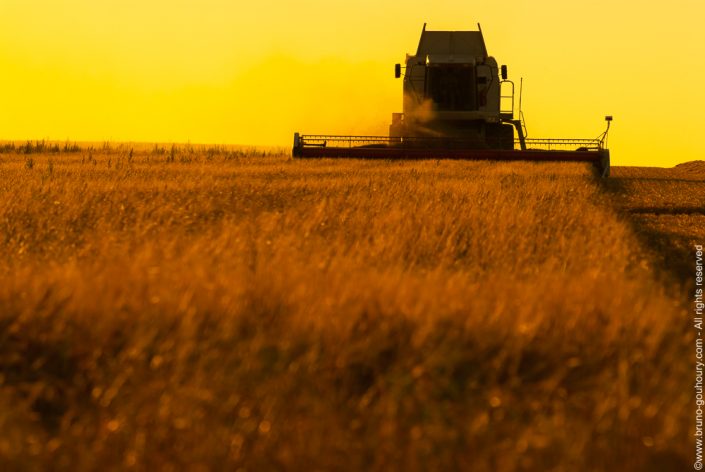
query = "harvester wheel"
{"x": 499, "y": 136}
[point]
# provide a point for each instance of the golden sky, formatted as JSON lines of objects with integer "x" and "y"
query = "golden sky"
{"x": 227, "y": 71}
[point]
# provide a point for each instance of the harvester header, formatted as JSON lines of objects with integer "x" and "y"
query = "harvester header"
{"x": 457, "y": 104}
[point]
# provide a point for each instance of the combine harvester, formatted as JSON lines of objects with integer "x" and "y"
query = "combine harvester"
{"x": 456, "y": 107}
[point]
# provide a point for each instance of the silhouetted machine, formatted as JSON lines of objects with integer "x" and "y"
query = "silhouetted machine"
{"x": 458, "y": 104}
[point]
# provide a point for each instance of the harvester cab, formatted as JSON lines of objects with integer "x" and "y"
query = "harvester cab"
{"x": 457, "y": 104}
{"x": 452, "y": 88}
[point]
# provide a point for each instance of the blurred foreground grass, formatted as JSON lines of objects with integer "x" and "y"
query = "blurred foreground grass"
{"x": 267, "y": 314}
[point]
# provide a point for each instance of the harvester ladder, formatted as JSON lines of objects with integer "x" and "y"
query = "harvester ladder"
{"x": 506, "y": 98}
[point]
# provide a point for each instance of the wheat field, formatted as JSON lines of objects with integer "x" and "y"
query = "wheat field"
{"x": 202, "y": 309}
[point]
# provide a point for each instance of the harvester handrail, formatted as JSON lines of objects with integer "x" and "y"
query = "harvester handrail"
{"x": 315, "y": 140}
{"x": 549, "y": 143}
